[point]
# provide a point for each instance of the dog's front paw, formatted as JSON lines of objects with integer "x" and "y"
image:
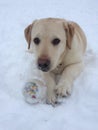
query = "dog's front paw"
{"x": 63, "y": 90}
{"x": 51, "y": 99}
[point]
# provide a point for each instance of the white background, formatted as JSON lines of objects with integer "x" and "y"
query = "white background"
{"x": 80, "y": 111}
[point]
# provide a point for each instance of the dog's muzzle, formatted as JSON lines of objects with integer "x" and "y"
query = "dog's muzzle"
{"x": 43, "y": 64}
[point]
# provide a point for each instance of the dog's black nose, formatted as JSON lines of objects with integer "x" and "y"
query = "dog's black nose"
{"x": 43, "y": 64}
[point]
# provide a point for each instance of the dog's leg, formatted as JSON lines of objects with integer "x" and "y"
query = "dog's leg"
{"x": 50, "y": 82}
{"x": 64, "y": 86}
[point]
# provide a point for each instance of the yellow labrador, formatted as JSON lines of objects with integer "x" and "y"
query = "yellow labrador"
{"x": 59, "y": 46}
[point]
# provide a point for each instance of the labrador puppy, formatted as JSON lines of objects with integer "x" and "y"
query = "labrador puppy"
{"x": 59, "y": 46}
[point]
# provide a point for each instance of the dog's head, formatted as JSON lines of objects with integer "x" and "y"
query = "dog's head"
{"x": 49, "y": 39}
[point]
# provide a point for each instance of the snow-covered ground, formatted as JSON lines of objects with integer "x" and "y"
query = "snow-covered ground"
{"x": 78, "y": 112}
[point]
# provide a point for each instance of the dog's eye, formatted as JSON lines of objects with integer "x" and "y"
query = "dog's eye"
{"x": 36, "y": 40}
{"x": 56, "y": 41}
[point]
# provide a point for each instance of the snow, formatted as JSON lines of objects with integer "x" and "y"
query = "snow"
{"x": 80, "y": 110}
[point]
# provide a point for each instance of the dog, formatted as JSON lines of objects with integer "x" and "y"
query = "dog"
{"x": 59, "y": 47}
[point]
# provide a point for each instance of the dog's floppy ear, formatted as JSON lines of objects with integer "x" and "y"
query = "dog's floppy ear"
{"x": 69, "y": 28}
{"x": 27, "y": 33}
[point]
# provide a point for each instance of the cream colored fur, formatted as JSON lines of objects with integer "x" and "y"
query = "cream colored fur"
{"x": 66, "y": 58}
